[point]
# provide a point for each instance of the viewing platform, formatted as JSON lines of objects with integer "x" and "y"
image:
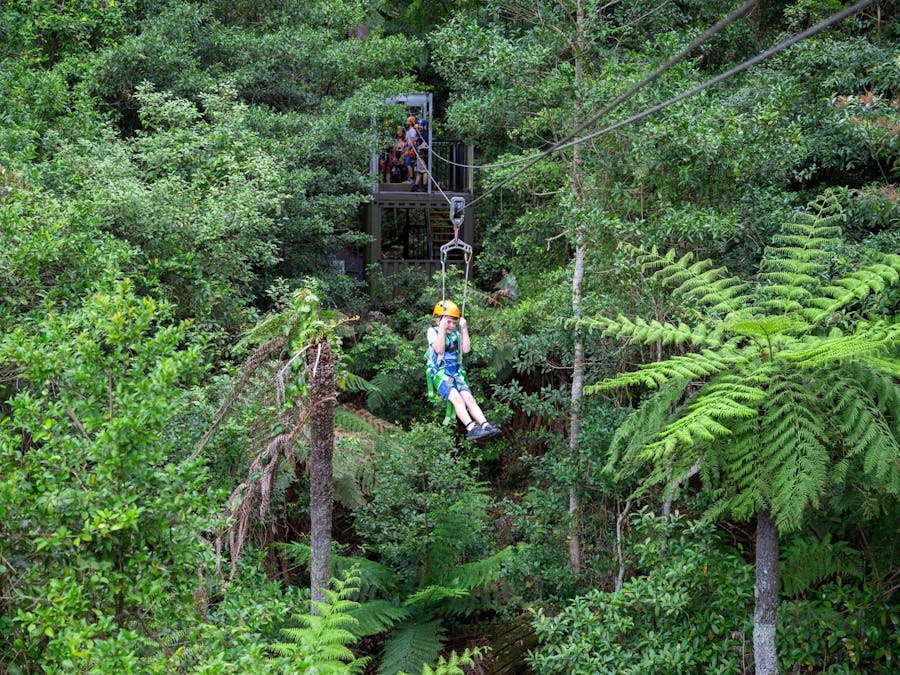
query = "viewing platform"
{"x": 409, "y": 223}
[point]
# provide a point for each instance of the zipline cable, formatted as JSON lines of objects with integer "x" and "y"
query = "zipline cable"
{"x": 780, "y": 47}
{"x": 652, "y": 77}
{"x": 467, "y": 254}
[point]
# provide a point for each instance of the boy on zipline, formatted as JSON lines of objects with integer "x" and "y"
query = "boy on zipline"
{"x": 446, "y": 345}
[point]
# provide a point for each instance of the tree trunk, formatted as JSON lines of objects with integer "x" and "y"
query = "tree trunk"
{"x": 320, "y": 361}
{"x": 575, "y": 554}
{"x": 766, "y": 595}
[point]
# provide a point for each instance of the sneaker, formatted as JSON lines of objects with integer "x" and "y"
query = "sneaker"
{"x": 476, "y": 433}
{"x": 490, "y": 430}
{"x": 415, "y": 188}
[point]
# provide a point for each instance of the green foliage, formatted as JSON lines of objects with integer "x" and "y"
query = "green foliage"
{"x": 683, "y": 611}
{"x": 415, "y": 621}
{"x": 52, "y": 251}
{"x": 411, "y": 647}
{"x": 808, "y": 561}
{"x": 428, "y": 510}
{"x": 787, "y": 401}
{"x": 454, "y": 664}
{"x": 394, "y": 367}
{"x": 426, "y": 521}
{"x": 101, "y": 508}
{"x": 842, "y": 628}
{"x": 320, "y": 643}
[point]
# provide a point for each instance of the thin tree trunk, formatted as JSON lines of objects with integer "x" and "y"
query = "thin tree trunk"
{"x": 321, "y": 486}
{"x": 575, "y": 553}
{"x": 766, "y": 595}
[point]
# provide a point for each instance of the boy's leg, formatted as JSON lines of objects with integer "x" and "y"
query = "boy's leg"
{"x": 460, "y": 407}
{"x": 472, "y": 406}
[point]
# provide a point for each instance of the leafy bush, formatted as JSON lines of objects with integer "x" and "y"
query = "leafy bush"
{"x": 395, "y": 368}
{"x": 686, "y": 610}
{"x": 428, "y": 512}
{"x": 101, "y": 511}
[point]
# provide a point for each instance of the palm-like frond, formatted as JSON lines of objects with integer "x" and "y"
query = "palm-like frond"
{"x": 867, "y": 430}
{"x": 644, "y": 332}
{"x": 644, "y": 423}
{"x": 696, "y": 283}
{"x": 855, "y": 287}
{"x": 807, "y": 561}
{"x": 321, "y": 640}
{"x": 708, "y": 416}
{"x": 411, "y": 647}
{"x": 453, "y": 665}
{"x": 378, "y": 616}
{"x": 794, "y": 459}
{"x": 821, "y": 351}
{"x": 482, "y": 579}
{"x": 694, "y": 366}
{"x": 435, "y": 594}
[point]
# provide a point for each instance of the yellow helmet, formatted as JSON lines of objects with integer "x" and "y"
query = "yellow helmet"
{"x": 446, "y": 308}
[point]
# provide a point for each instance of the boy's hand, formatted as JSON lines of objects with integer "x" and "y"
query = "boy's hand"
{"x": 463, "y": 324}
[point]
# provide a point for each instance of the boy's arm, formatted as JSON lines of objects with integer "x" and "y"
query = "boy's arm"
{"x": 437, "y": 344}
{"x": 465, "y": 342}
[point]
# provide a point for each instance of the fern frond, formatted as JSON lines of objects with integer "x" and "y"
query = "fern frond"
{"x": 808, "y": 561}
{"x": 362, "y": 422}
{"x": 883, "y": 364}
{"x": 767, "y": 326}
{"x": 411, "y": 647}
{"x": 793, "y": 458}
{"x": 643, "y": 332}
{"x": 855, "y": 287}
{"x": 868, "y": 431}
{"x": 483, "y": 579}
{"x": 879, "y": 377}
{"x": 644, "y": 423}
{"x": 378, "y": 616}
{"x": 485, "y": 572}
{"x": 868, "y": 338}
{"x": 698, "y": 283}
{"x": 320, "y": 641}
{"x": 454, "y": 664}
{"x": 708, "y": 415}
{"x": 370, "y": 578}
{"x": 434, "y": 594}
{"x": 693, "y": 366}
{"x": 799, "y": 253}
{"x": 351, "y": 382}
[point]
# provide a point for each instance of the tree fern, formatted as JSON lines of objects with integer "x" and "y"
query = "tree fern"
{"x": 770, "y": 378}
{"x": 411, "y": 647}
{"x": 784, "y": 405}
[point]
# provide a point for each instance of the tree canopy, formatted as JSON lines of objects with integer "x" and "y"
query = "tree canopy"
{"x": 180, "y": 182}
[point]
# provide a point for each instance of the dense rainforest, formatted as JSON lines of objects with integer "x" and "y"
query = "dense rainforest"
{"x": 216, "y": 450}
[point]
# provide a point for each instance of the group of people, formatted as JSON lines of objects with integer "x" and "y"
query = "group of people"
{"x": 406, "y": 161}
